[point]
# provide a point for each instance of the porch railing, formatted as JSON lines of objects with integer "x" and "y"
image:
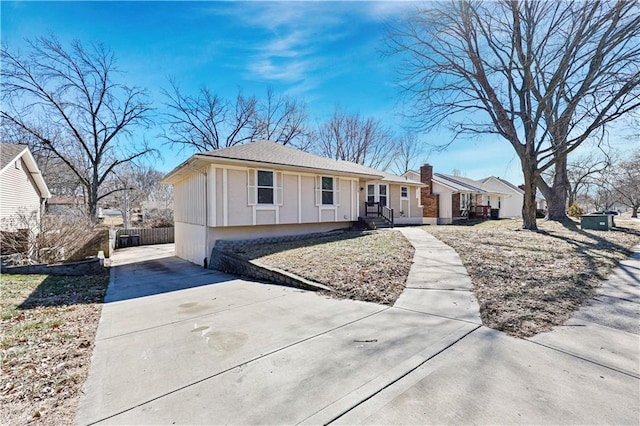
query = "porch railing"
{"x": 377, "y": 209}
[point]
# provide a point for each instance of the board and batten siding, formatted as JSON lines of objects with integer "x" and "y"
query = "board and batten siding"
{"x": 189, "y": 200}
{"x": 229, "y": 206}
{"x": 19, "y": 197}
{"x": 410, "y": 206}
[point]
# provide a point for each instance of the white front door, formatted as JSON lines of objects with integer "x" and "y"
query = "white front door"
{"x": 378, "y": 193}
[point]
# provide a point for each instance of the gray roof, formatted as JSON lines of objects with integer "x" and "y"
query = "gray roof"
{"x": 9, "y": 152}
{"x": 271, "y": 153}
{"x": 460, "y": 183}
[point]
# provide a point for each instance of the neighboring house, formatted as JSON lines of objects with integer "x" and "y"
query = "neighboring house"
{"x": 23, "y": 191}
{"x": 263, "y": 189}
{"x": 60, "y": 204}
{"x": 447, "y": 198}
{"x": 508, "y": 198}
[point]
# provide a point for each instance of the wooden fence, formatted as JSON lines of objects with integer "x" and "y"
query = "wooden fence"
{"x": 143, "y": 236}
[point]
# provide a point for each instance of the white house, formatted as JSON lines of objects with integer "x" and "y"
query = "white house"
{"x": 509, "y": 199}
{"x": 263, "y": 189}
{"x": 447, "y": 198}
{"x": 23, "y": 191}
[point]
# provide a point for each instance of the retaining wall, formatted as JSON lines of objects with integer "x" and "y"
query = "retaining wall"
{"x": 235, "y": 264}
{"x": 85, "y": 267}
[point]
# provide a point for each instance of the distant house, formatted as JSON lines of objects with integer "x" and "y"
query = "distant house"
{"x": 447, "y": 198}
{"x": 263, "y": 189}
{"x": 23, "y": 191}
{"x": 60, "y": 204}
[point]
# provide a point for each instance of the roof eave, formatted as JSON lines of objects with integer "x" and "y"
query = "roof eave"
{"x": 201, "y": 159}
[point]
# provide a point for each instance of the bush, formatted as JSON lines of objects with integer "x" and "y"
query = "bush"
{"x": 575, "y": 210}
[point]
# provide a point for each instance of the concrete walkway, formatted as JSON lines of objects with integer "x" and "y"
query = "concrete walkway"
{"x": 438, "y": 283}
{"x": 241, "y": 352}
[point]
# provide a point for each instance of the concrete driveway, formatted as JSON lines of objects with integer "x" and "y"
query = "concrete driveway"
{"x": 178, "y": 344}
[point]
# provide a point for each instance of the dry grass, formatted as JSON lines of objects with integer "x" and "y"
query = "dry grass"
{"x": 526, "y": 282}
{"x": 48, "y": 328}
{"x": 368, "y": 266}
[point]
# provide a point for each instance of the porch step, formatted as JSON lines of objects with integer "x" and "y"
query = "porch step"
{"x": 376, "y": 222}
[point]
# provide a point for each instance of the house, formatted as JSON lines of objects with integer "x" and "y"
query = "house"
{"x": 264, "y": 189}
{"x": 447, "y": 198}
{"x": 23, "y": 191}
{"x": 62, "y": 204}
{"x": 508, "y": 198}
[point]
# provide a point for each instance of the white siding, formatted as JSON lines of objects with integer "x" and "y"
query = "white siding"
{"x": 19, "y": 198}
{"x": 510, "y": 201}
{"x": 445, "y": 214}
{"x": 189, "y": 200}
{"x": 190, "y": 242}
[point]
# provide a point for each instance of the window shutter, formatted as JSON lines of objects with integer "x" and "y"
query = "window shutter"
{"x": 278, "y": 188}
{"x": 318, "y": 190}
{"x": 336, "y": 191}
{"x": 419, "y": 197}
{"x": 252, "y": 189}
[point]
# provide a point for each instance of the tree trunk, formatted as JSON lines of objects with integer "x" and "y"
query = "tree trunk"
{"x": 634, "y": 211}
{"x": 556, "y": 195}
{"x": 93, "y": 198}
{"x": 529, "y": 205}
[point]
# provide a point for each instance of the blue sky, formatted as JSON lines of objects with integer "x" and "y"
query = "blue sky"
{"x": 325, "y": 53}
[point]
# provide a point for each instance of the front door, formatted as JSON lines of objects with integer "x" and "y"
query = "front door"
{"x": 377, "y": 193}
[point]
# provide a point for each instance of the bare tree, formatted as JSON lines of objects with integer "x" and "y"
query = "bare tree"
{"x": 407, "y": 153}
{"x": 359, "y": 140}
{"x": 627, "y": 182}
{"x": 280, "y": 119}
{"x": 68, "y": 102}
{"x": 585, "y": 172}
{"x": 207, "y": 121}
{"x": 545, "y": 76}
{"x": 133, "y": 186}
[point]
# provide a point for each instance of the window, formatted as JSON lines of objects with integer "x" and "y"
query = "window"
{"x": 265, "y": 187}
{"x": 404, "y": 192}
{"x": 371, "y": 194}
{"x": 327, "y": 190}
{"x": 465, "y": 201}
{"x": 383, "y": 194}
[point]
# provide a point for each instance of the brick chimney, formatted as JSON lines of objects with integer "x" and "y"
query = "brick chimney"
{"x": 426, "y": 175}
{"x": 430, "y": 201}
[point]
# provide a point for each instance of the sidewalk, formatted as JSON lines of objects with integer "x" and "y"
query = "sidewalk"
{"x": 583, "y": 372}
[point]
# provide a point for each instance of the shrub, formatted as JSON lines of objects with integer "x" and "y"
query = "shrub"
{"x": 575, "y": 210}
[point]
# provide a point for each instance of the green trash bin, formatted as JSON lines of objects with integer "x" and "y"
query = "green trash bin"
{"x": 495, "y": 214}
{"x": 598, "y": 222}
